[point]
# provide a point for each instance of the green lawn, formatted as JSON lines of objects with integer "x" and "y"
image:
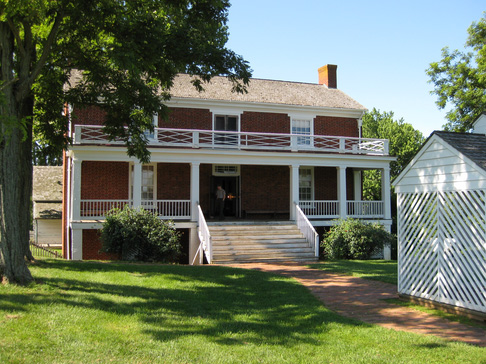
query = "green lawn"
{"x": 379, "y": 270}
{"x": 87, "y": 312}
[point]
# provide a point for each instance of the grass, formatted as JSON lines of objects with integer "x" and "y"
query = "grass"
{"x": 436, "y": 312}
{"x": 379, "y": 270}
{"x": 86, "y": 312}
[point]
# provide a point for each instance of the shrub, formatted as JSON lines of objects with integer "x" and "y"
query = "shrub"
{"x": 138, "y": 234}
{"x": 354, "y": 239}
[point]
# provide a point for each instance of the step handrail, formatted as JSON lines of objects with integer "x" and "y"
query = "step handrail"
{"x": 205, "y": 245}
{"x": 307, "y": 229}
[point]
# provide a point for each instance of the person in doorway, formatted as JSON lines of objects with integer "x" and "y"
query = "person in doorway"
{"x": 220, "y": 197}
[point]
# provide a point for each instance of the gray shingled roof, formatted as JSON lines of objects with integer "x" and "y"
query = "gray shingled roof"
{"x": 266, "y": 91}
{"x": 471, "y": 145}
{"x": 47, "y": 192}
{"x": 259, "y": 91}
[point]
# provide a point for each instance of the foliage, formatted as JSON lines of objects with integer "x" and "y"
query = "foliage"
{"x": 354, "y": 239}
{"x": 404, "y": 143}
{"x": 138, "y": 234}
{"x": 122, "y": 55}
{"x": 459, "y": 80}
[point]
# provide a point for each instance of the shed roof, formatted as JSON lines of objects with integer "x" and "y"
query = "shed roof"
{"x": 471, "y": 145}
{"x": 447, "y": 161}
{"x": 47, "y": 184}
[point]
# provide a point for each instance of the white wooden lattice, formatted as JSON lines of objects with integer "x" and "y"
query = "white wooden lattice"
{"x": 442, "y": 247}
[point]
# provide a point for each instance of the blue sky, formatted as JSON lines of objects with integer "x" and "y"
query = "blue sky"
{"x": 382, "y": 48}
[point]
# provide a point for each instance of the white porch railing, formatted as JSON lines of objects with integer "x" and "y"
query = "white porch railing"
{"x": 320, "y": 209}
{"x": 205, "y": 245}
{"x": 170, "y": 209}
{"x": 307, "y": 229}
{"x": 367, "y": 209}
{"x": 99, "y": 208}
{"x": 94, "y": 134}
{"x": 166, "y": 209}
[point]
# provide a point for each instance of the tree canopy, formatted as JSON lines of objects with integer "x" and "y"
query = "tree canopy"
{"x": 124, "y": 54}
{"x": 459, "y": 80}
{"x": 404, "y": 143}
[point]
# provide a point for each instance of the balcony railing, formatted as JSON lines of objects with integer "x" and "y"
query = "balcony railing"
{"x": 166, "y": 209}
{"x": 189, "y": 138}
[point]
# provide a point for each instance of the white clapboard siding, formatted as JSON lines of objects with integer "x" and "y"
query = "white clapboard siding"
{"x": 439, "y": 167}
{"x": 48, "y": 231}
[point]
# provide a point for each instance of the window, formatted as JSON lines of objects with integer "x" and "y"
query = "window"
{"x": 148, "y": 187}
{"x": 155, "y": 123}
{"x": 226, "y": 123}
{"x": 302, "y": 127}
{"x": 306, "y": 183}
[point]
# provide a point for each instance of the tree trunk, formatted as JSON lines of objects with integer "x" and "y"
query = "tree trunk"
{"x": 15, "y": 169}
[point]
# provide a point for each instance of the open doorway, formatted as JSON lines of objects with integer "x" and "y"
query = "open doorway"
{"x": 232, "y": 187}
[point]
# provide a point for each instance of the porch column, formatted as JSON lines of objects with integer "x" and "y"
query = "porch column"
{"x": 137, "y": 184}
{"x": 194, "y": 190}
{"x": 294, "y": 189}
{"x": 357, "y": 185}
{"x": 386, "y": 198}
{"x": 77, "y": 244}
{"x": 76, "y": 197}
{"x": 341, "y": 180}
{"x": 385, "y": 193}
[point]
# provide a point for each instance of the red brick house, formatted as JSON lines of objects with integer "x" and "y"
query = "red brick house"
{"x": 284, "y": 151}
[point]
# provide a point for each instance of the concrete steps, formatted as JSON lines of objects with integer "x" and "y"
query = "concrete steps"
{"x": 251, "y": 242}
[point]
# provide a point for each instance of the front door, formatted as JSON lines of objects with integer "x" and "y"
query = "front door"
{"x": 232, "y": 202}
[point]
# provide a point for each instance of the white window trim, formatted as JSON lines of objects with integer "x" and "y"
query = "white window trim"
{"x": 130, "y": 175}
{"x": 155, "y": 124}
{"x": 312, "y": 183}
{"x": 304, "y": 117}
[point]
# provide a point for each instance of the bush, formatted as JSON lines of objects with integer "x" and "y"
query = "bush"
{"x": 138, "y": 234}
{"x": 354, "y": 239}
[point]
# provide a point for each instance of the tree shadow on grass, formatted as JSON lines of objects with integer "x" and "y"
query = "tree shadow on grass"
{"x": 228, "y": 306}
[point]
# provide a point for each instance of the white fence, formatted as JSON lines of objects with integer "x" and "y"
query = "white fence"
{"x": 94, "y": 134}
{"x": 442, "y": 247}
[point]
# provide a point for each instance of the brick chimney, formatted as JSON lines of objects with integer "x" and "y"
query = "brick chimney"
{"x": 327, "y": 75}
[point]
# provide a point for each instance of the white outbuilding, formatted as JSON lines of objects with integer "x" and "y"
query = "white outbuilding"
{"x": 47, "y": 204}
{"x": 442, "y": 220}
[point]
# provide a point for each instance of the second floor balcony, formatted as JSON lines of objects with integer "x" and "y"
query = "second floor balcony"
{"x": 214, "y": 139}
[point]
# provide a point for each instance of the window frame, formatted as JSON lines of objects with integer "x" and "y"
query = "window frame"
{"x": 308, "y": 140}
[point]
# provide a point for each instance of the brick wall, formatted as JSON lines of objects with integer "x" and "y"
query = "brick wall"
{"x": 182, "y": 118}
{"x": 326, "y": 125}
{"x": 104, "y": 180}
{"x": 265, "y": 122}
{"x": 92, "y": 246}
{"x": 173, "y": 181}
{"x": 325, "y": 183}
{"x": 88, "y": 115}
{"x": 265, "y": 188}
{"x": 188, "y": 118}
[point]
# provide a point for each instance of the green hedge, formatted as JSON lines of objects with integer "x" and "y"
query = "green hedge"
{"x": 139, "y": 235}
{"x": 355, "y": 239}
